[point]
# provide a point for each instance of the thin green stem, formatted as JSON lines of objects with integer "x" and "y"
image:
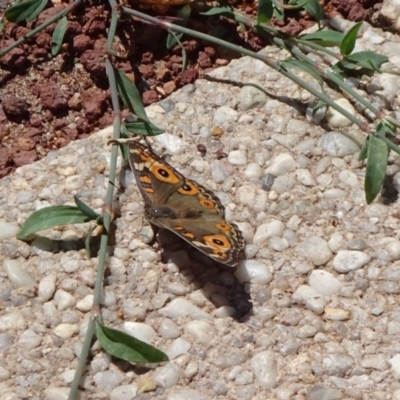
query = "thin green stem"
{"x": 38, "y": 29}
{"x": 73, "y": 393}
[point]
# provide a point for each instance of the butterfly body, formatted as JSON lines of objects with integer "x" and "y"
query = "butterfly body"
{"x": 183, "y": 206}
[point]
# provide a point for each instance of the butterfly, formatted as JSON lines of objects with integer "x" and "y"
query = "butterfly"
{"x": 183, "y": 206}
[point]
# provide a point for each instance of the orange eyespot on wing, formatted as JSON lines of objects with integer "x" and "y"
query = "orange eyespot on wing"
{"x": 223, "y": 227}
{"x": 164, "y": 173}
{"x": 207, "y": 203}
{"x": 189, "y": 188}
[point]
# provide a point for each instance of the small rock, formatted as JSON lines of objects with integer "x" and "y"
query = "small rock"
{"x": 324, "y": 283}
{"x": 29, "y": 339}
{"x": 64, "y": 300}
{"x": 11, "y": 321}
{"x": 177, "y": 348}
{"x": 124, "y": 392}
{"x": 316, "y": 250}
{"x": 336, "y": 144}
{"x": 85, "y": 304}
{"x": 17, "y": 275}
{"x": 8, "y": 230}
{"x": 350, "y": 260}
{"x": 139, "y": 330}
{"x": 336, "y": 314}
{"x": 254, "y": 272}
{"x": 66, "y": 331}
{"x": 310, "y": 298}
{"x": 202, "y": 331}
{"x": 237, "y": 157}
{"x": 182, "y": 307}
{"x": 167, "y": 375}
{"x": 281, "y": 164}
{"x": 264, "y": 366}
{"x": 337, "y": 119}
{"x": 47, "y": 287}
{"x": 268, "y": 230}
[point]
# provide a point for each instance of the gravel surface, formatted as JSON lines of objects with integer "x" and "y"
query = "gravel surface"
{"x": 312, "y": 313}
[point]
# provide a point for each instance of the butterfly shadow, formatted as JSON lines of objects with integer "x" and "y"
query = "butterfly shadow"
{"x": 217, "y": 281}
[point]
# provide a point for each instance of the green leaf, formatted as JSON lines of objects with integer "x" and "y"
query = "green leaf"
{"x": 364, "y": 151}
{"x": 302, "y": 66}
{"x": 265, "y": 11}
{"x": 279, "y": 14}
{"x": 85, "y": 209}
{"x": 349, "y": 41}
{"x": 376, "y": 167}
{"x": 225, "y": 11}
{"x": 326, "y": 38}
{"x": 126, "y": 347}
{"x": 129, "y": 94}
{"x": 25, "y": 11}
{"x": 184, "y": 14}
{"x": 58, "y": 35}
{"x": 49, "y": 217}
{"x": 314, "y": 8}
{"x": 143, "y": 128}
{"x": 1, "y": 25}
{"x": 362, "y": 60}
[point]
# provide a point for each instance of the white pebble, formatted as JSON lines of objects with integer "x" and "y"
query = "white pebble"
{"x": 264, "y": 366}
{"x": 8, "y": 230}
{"x": 66, "y": 331}
{"x": 4, "y": 374}
{"x": 252, "y": 171}
{"x": 395, "y": 364}
{"x": 336, "y": 242}
{"x": 350, "y": 260}
{"x": 324, "y": 283}
{"x": 167, "y": 375}
{"x": 11, "y": 321}
{"x": 335, "y": 193}
{"x": 281, "y": 164}
{"x": 316, "y": 250}
{"x": 283, "y": 184}
{"x": 224, "y": 114}
{"x": 237, "y": 157}
{"x": 221, "y": 170}
{"x": 172, "y": 143}
{"x": 139, "y": 330}
{"x": 348, "y": 178}
{"x": 146, "y": 255}
{"x": 168, "y": 329}
{"x": 335, "y": 118}
{"x": 202, "y": 331}
{"x": 336, "y": 314}
{"x": 177, "y": 348}
{"x": 304, "y": 177}
{"x": 57, "y": 393}
{"x": 393, "y": 249}
{"x": 337, "y": 144}
{"x": 124, "y": 392}
{"x": 63, "y": 300}
{"x": 185, "y": 394}
{"x": 182, "y": 307}
{"x": 47, "y": 287}
{"x": 74, "y": 182}
{"x": 310, "y": 298}
{"x": 29, "y": 339}
{"x": 253, "y": 271}
{"x": 278, "y": 244}
{"x": 85, "y": 304}
{"x": 267, "y": 230}
{"x": 251, "y": 96}
{"x": 246, "y": 195}
{"x": 17, "y": 275}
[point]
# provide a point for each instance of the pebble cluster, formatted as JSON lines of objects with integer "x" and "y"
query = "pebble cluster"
{"x": 311, "y": 313}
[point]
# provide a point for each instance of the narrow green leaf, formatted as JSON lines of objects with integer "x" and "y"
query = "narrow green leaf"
{"x": 326, "y": 38}
{"x": 40, "y": 7}
{"x": 129, "y": 94}
{"x": 376, "y": 167}
{"x": 279, "y": 14}
{"x": 58, "y": 35}
{"x": 1, "y": 25}
{"x": 368, "y": 59}
{"x": 314, "y": 8}
{"x": 184, "y": 14}
{"x": 265, "y": 11}
{"x": 225, "y": 11}
{"x": 349, "y": 41}
{"x": 143, "y": 128}
{"x": 85, "y": 209}
{"x": 302, "y": 66}
{"x": 123, "y": 346}
{"x": 49, "y": 217}
{"x": 21, "y": 11}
